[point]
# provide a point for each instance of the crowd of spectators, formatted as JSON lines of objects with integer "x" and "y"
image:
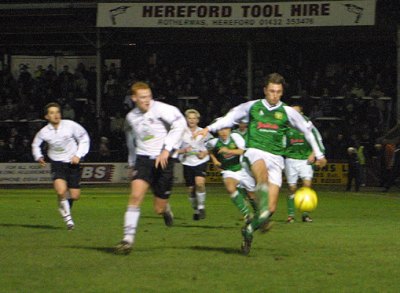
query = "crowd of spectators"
{"x": 346, "y": 100}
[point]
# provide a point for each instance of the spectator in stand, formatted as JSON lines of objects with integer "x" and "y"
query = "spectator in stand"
{"x": 376, "y": 92}
{"x": 315, "y": 84}
{"x": 68, "y": 112}
{"x": 32, "y": 113}
{"x": 117, "y": 124}
{"x": 374, "y": 115}
{"x": 23, "y": 151}
{"x": 104, "y": 153}
{"x": 357, "y": 90}
{"x": 82, "y": 69}
{"x": 362, "y": 162}
{"x": 12, "y": 149}
{"x": 111, "y": 82}
{"x": 339, "y": 151}
{"x": 4, "y": 151}
{"x": 306, "y": 101}
{"x": 65, "y": 74}
{"x": 392, "y": 155}
{"x": 378, "y": 166}
{"x": 112, "y": 69}
{"x": 112, "y": 102}
{"x": 39, "y": 72}
{"x": 117, "y": 137}
{"x": 50, "y": 77}
{"x": 92, "y": 81}
{"x": 315, "y": 112}
{"x": 325, "y": 103}
{"x": 25, "y": 78}
{"x": 66, "y": 85}
{"x": 354, "y": 169}
{"x": 80, "y": 85}
{"x": 392, "y": 159}
{"x": 10, "y": 109}
{"x": 49, "y": 95}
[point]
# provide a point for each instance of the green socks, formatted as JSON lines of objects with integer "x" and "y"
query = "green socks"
{"x": 262, "y": 195}
{"x": 239, "y": 201}
{"x": 290, "y": 205}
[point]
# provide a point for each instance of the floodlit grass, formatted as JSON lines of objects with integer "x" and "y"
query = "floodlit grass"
{"x": 352, "y": 246}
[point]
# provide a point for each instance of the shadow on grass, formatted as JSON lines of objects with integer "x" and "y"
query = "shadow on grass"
{"x": 183, "y": 225}
{"x": 31, "y": 226}
{"x": 226, "y": 250}
{"x": 111, "y": 250}
{"x": 159, "y": 217}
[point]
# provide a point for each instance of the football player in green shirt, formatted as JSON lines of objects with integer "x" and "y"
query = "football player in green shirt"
{"x": 225, "y": 152}
{"x": 298, "y": 159}
{"x": 269, "y": 120}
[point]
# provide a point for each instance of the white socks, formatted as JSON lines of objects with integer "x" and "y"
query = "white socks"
{"x": 132, "y": 215}
{"x": 65, "y": 212}
{"x": 201, "y": 199}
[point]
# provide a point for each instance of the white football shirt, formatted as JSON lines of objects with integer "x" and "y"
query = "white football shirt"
{"x": 68, "y": 140}
{"x": 197, "y": 145}
{"x": 161, "y": 127}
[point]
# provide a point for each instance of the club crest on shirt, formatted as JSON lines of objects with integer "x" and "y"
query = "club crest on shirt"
{"x": 278, "y": 115}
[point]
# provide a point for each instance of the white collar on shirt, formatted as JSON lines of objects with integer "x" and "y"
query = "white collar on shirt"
{"x": 269, "y": 106}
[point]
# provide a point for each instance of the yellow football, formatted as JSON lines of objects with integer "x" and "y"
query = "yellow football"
{"x": 305, "y": 199}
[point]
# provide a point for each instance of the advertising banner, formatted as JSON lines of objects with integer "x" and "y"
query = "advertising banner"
{"x": 237, "y": 15}
{"x": 95, "y": 173}
{"x": 331, "y": 174}
{"x": 91, "y": 173}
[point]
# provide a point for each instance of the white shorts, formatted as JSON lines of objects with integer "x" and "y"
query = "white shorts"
{"x": 275, "y": 163}
{"x": 245, "y": 179}
{"x": 297, "y": 168}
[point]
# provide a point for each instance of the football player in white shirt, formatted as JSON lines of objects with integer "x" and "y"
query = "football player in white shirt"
{"x": 153, "y": 129}
{"x": 193, "y": 155}
{"x": 67, "y": 143}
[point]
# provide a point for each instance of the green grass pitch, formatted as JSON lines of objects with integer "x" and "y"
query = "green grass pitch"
{"x": 353, "y": 245}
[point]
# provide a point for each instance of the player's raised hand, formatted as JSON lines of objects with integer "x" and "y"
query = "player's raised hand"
{"x": 162, "y": 159}
{"x": 321, "y": 162}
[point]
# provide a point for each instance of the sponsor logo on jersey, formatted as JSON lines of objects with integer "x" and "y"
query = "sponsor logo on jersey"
{"x": 261, "y": 125}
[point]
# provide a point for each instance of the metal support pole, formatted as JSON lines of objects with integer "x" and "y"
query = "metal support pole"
{"x": 99, "y": 68}
{"x": 398, "y": 76}
{"x": 250, "y": 70}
